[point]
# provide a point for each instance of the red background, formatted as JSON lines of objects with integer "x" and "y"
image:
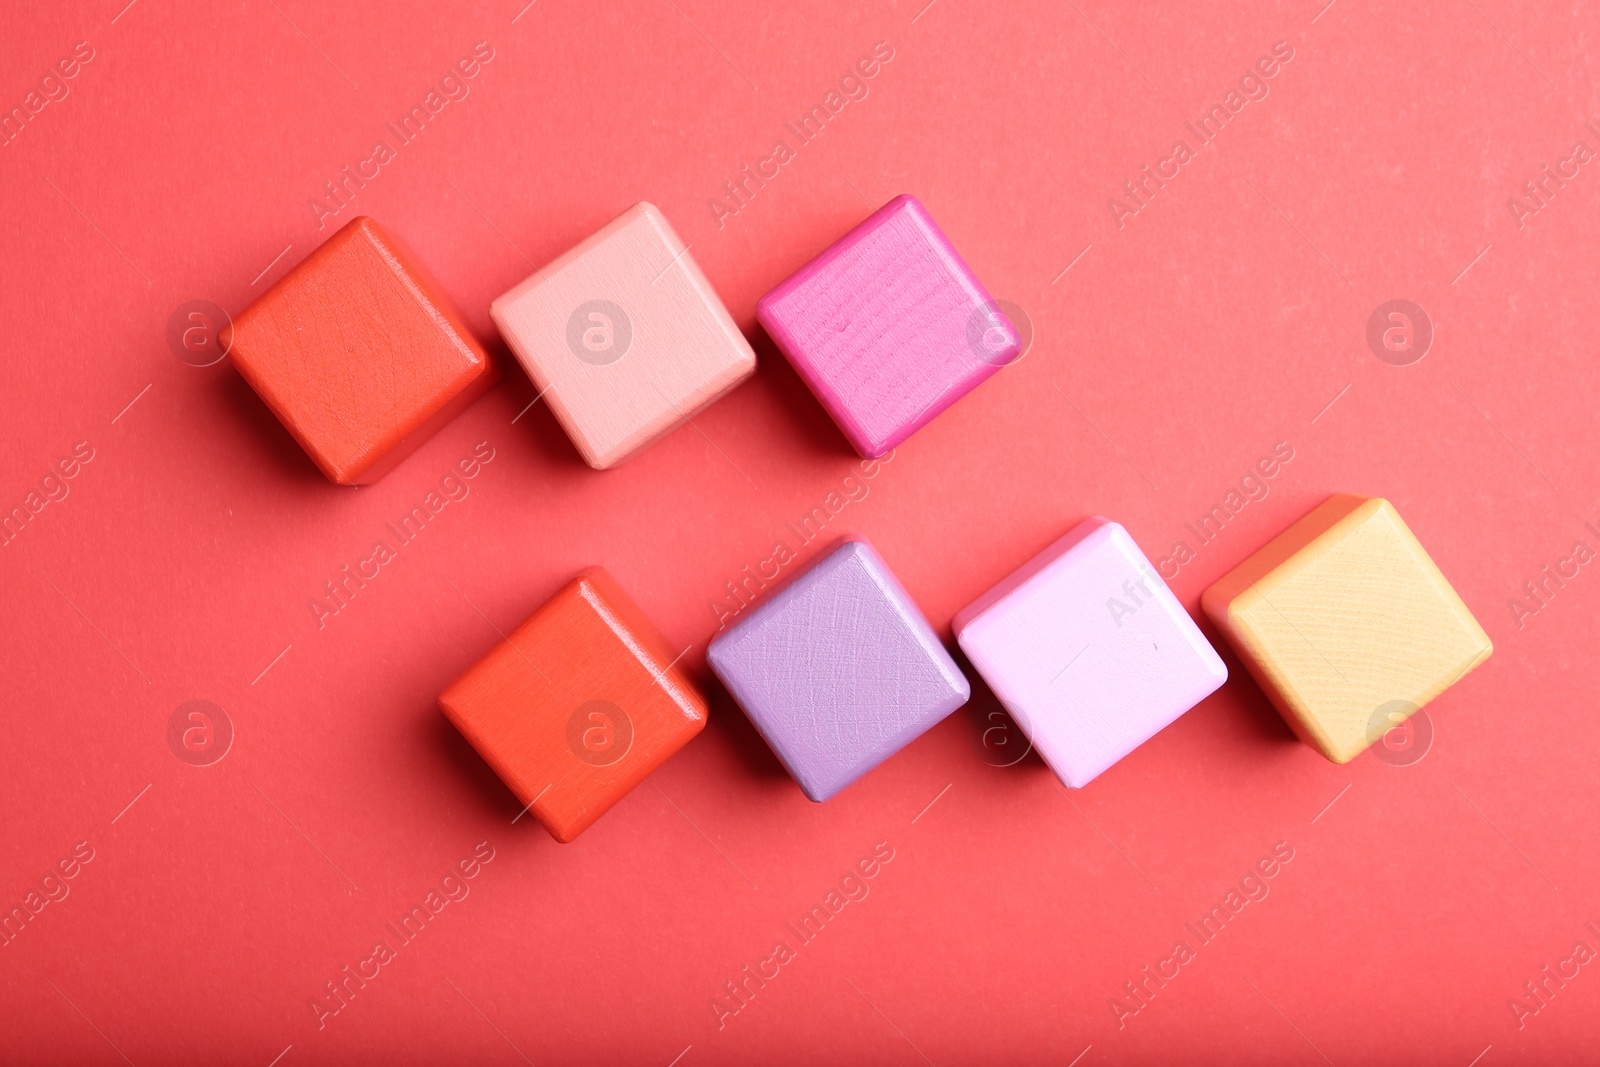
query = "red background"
{"x": 1221, "y": 319}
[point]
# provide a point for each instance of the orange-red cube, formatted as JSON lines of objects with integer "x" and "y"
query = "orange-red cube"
{"x": 359, "y": 354}
{"x": 577, "y": 705}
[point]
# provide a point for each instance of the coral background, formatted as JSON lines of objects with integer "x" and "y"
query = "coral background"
{"x": 1186, "y": 340}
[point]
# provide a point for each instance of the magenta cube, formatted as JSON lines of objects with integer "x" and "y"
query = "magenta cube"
{"x": 888, "y": 326}
{"x": 838, "y": 670}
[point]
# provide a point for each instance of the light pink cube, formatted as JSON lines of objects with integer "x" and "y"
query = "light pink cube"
{"x": 888, "y": 326}
{"x": 624, "y": 337}
{"x": 1088, "y": 650}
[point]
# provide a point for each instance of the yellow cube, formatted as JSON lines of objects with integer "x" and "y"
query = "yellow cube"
{"x": 1346, "y": 624}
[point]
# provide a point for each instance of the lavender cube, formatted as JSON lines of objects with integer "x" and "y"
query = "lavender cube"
{"x": 838, "y": 670}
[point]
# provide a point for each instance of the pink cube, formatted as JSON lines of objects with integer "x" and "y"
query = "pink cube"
{"x": 624, "y": 337}
{"x": 1088, "y": 650}
{"x": 888, "y": 326}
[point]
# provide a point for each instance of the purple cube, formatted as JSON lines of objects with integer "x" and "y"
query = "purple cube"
{"x": 838, "y": 670}
{"x": 888, "y": 326}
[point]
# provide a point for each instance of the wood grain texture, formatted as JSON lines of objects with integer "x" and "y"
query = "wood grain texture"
{"x": 1088, "y": 650}
{"x": 359, "y": 353}
{"x": 577, "y": 705}
{"x": 624, "y": 336}
{"x": 888, "y": 326}
{"x": 838, "y": 670}
{"x": 1347, "y": 624}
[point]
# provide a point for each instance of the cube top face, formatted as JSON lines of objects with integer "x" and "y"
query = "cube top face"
{"x": 1347, "y": 624}
{"x": 888, "y": 327}
{"x": 578, "y": 705}
{"x": 838, "y": 670}
{"x": 1089, "y": 651}
{"x": 359, "y": 354}
{"x": 624, "y": 336}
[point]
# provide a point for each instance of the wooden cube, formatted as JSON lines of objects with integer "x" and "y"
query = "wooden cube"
{"x": 624, "y": 337}
{"x": 359, "y": 353}
{"x": 1088, "y": 650}
{"x": 1347, "y": 624}
{"x": 577, "y": 705}
{"x": 838, "y": 670}
{"x": 888, "y": 326}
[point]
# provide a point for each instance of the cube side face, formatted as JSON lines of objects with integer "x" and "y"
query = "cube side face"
{"x": 1221, "y": 601}
{"x": 625, "y": 335}
{"x": 838, "y": 670}
{"x": 888, "y": 327}
{"x": 1023, "y": 574}
{"x": 359, "y": 354}
{"x": 1090, "y": 652}
{"x": 575, "y": 708}
{"x": 1359, "y": 622}
{"x": 1301, "y": 533}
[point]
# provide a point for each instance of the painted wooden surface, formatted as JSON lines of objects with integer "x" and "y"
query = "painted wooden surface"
{"x": 838, "y": 670}
{"x": 577, "y": 705}
{"x": 359, "y": 353}
{"x": 888, "y": 326}
{"x": 624, "y": 337}
{"x": 1088, "y": 650}
{"x": 1347, "y": 624}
